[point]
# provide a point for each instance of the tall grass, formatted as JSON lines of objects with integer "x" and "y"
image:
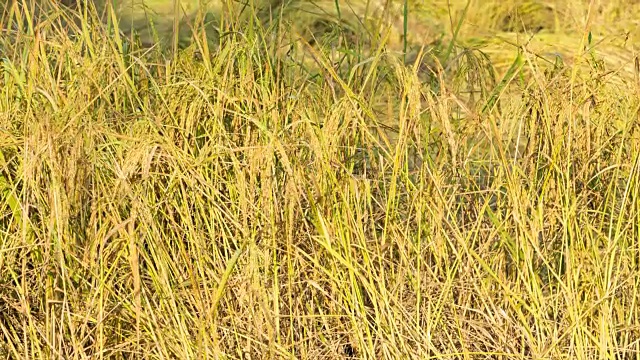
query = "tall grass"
{"x": 333, "y": 200}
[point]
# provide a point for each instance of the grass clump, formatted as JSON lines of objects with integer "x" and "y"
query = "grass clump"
{"x": 319, "y": 193}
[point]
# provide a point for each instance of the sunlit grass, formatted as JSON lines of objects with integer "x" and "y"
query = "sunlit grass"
{"x": 313, "y": 192}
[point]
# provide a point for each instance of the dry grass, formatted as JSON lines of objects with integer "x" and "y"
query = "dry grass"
{"x": 476, "y": 198}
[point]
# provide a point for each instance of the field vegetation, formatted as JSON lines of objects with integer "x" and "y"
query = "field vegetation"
{"x": 363, "y": 179}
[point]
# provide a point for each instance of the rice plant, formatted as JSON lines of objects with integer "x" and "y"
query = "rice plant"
{"x": 319, "y": 179}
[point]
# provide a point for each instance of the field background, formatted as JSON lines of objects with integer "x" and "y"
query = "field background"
{"x": 322, "y": 180}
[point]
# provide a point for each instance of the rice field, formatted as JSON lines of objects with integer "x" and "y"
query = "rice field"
{"x": 356, "y": 179}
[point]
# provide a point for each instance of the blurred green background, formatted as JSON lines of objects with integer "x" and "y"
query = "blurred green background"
{"x": 154, "y": 20}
